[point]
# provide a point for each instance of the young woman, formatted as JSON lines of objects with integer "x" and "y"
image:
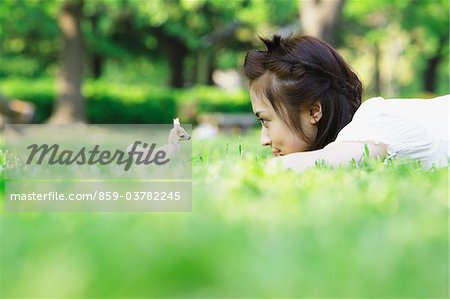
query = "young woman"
{"x": 309, "y": 103}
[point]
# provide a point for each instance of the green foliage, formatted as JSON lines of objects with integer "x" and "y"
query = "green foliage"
{"x": 130, "y": 32}
{"x": 28, "y": 30}
{"x": 126, "y": 30}
{"x": 129, "y": 104}
{"x": 110, "y": 103}
{"x": 213, "y": 99}
{"x": 106, "y": 103}
{"x": 423, "y": 27}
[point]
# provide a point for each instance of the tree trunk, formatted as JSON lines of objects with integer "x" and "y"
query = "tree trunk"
{"x": 431, "y": 70}
{"x": 320, "y": 18}
{"x": 211, "y": 69}
{"x": 97, "y": 65}
{"x": 97, "y": 58}
{"x": 202, "y": 67}
{"x": 377, "y": 72}
{"x": 70, "y": 105}
{"x": 206, "y": 67}
{"x": 431, "y": 74}
{"x": 176, "y": 52}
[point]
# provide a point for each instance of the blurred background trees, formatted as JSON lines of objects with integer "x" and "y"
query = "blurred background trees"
{"x": 70, "y": 57}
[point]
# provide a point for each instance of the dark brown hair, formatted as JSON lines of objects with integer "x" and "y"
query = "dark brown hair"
{"x": 301, "y": 70}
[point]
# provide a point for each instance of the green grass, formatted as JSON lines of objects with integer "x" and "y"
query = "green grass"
{"x": 366, "y": 230}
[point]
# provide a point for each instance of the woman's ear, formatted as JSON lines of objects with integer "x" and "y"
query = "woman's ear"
{"x": 315, "y": 112}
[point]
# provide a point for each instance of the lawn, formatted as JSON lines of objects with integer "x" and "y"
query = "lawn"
{"x": 367, "y": 230}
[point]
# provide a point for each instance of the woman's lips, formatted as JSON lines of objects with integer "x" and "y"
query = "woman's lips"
{"x": 277, "y": 153}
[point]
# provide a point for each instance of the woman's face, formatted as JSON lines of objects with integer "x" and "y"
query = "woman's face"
{"x": 275, "y": 132}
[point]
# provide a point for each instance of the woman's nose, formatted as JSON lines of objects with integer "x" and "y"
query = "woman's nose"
{"x": 265, "y": 138}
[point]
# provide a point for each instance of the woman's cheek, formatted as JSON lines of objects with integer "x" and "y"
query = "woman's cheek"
{"x": 277, "y": 136}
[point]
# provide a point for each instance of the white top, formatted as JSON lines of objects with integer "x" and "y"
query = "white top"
{"x": 412, "y": 128}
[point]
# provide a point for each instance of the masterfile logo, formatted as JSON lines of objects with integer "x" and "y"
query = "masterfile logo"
{"x": 95, "y": 156}
{"x": 98, "y": 168}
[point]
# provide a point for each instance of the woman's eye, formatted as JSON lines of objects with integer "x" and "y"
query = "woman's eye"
{"x": 263, "y": 122}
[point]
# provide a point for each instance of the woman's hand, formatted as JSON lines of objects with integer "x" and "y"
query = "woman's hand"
{"x": 334, "y": 154}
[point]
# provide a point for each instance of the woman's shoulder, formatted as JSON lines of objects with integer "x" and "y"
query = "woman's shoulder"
{"x": 380, "y": 99}
{"x": 369, "y": 108}
{"x": 440, "y": 100}
{"x": 372, "y": 101}
{"x": 404, "y": 107}
{"x": 445, "y": 97}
